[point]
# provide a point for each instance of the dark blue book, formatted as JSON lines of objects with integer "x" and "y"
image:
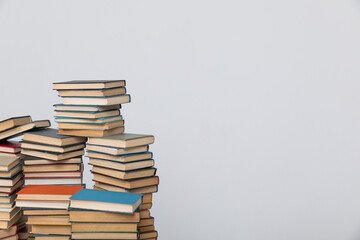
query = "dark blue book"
{"x": 108, "y": 201}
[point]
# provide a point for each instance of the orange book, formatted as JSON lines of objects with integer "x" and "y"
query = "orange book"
{"x": 50, "y": 189}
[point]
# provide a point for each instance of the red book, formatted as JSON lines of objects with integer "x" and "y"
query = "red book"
{"x": 10, "y": 147}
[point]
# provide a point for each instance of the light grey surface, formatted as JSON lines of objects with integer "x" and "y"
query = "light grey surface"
{"x": 254, "y": 104}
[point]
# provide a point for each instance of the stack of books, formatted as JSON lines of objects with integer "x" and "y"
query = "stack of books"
{"x": 96, "y": 214}
{"x": 123, "y": 163}
{"x": 51, "y": 158}
{"x": 90, "y": 107}
{"x": 46, "y": 207}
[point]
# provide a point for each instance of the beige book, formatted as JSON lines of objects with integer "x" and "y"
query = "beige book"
{"x": 99, "y": 216}
{"x": 145, "y": 172}
{"x": 89, "y": 120}
{"x": 51, "y": 148}
{"x": 122, "y": 166}
{"x": 8, "y": 223}
{"x": 12, "y": 181}
{"x": 146, "y": 229}
{"x": 11, "y": 172}
{"x": 40, "y": 161}
{"x": 7, "y": 163}
{"x": 146, "y": 222}
{"x": 92, "y": 92}
{"x": 52, "y": 137}
{"x": 89, "y": 84}
{"x": 128, "y": 184}
{"x": 143, "y": 190}
{"x": 23, "y": 128}
{"x": 52, "y": 168}
{"x": 124, "y": 140}
{"x": 51, "y": 229}
{"x": 103, "y": 227}
{"x": 147, "y": 235}
{"x": 90, "y": 115}
{"x": 49, "y": 220}
{"x": 13, "y": 122}
{"x": 45, "y": 212}
{"x": 90, "y": 126}
{"x": 121, "y": 158}
{"x": 116, "y": 151}
{"x": 85, "y": 108}
{"x": 52, "y": 156}
{"x": 92, "y": 133}
{"x": 104, "y": 235}
{"x": 97, "y": 100}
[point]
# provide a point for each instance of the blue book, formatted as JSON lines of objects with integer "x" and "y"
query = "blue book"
{"x": 108, "y": 201}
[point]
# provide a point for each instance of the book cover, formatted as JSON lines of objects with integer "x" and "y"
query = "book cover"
{"x": 106, "y": 196}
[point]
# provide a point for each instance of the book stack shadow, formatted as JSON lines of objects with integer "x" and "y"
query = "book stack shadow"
{"x": 123, "y": 163}
{"x": 90, "y": 108}
{"x": 46, "y": 208}
{"x": 51, "y": 158}
{"x": 96, "y": 214}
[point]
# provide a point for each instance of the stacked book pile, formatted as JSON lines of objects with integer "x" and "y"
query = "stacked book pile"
{"x": 90, "y": 108}
{"x": 123, "y": 163}
{"x": 51, "y": 158}
{"x": 96, "y": 214}
{"x": 46, "y": 207}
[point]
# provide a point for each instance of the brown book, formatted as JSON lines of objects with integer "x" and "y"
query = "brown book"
{"x": 124, "y": 140}
{"x": 85, "y": 108}
{"x": 52, "y": 137}
{"x": 5, "y": 233}
{"x": 121, "y": 158}
{"x": 45, "y": 212}
{"x": 8, "y": 223}
{"x": 89, "y": 84}
{"x": 148, "y": 235}
{"x": 49, "y": 220}
{"x": 143, "y": 190}
{"x": 145, "y": 214}
{"x": 86, "y": 115}
{"x": 16, "y": 131}
{"x": 9, "y": 199}
{"x": 140, "y": 173}
{"x": 122, "y": 166}
{"x": 145, "y": 206}
{"x": 146, "y": 229}
{"x": 91, "y": 126}
{"x": 51, "y": 148}
{"x": 13, "y": 122}
{"x": 147, "y": 198}
{"x": 104, "y": 217}
{"x": 91, "y": 133}
{"x": 146, "y": 222}
{"x": 7, "y": 214}
{"x": 51, "y": 229}
{"x": 116, "y": 151}
{"x": 103, "y": 227}
{"x": 128, "y": 184}
{"x": 52, "y": 168}
{"x": 52, "y": 155}
{"x": 40, "y": 161}
{"x": 92, "y": 92}
{"x": 104, "y": 235}
{"x": 7, "y": 205}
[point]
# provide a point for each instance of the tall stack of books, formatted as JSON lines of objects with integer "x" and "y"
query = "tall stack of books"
{"x": 90, "y": 107}
{"x": 46, "y": 207}
{"x": 96, "y": 214}
{"x": 123, "y": 163}
{"x": 51, "y": 158}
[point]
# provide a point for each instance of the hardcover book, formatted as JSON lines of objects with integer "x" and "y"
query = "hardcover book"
{"x": 124, "y": 140}
{"x": 89, "y": 84}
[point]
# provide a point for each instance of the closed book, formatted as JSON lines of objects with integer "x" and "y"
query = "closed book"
{"x": 17, "y": 131}
{"x": 145, "y": 206}
{"x": 54, "y": 181}
{"x": 103, "y": 227}
{"x": 12, "y": 172}
{"x": 49, "y": 220}
{"x": 13, "y": 188}
{"x": 52, "y": 168}
{"x": 116, "y": 151}
{"x": 52, "y": 137}
{"x": 146, "y": 222}
{"x": 51, "y": 229}
{"x": 51, "y": 148}
{"x": 8, "y": 199}
{"x": 7, "y": 205}
{"x": 88, "y": 120}
{"x": 92, "y": 133}
{"x": 51, "y": 237}
{"x": 121, "y": 158}
{"x": 122, "y": 166}
{"x": 10, "y": 147}
{"x": 118, "y": 99}
{"x": 146, "y": 229}
{"x": 7, "y": 163}
{"x": 140, "y": 173}
{"x": 128, "y": 184}
{"x": 8, "y": 223}
{"x": 42, "y": 204}
{"x": 86, "y": 115}
{"x": 91, "y": 199}
{"x": 144, "y": 214}
{"x": 85, "y": 108}
{"x": 13, "y": 122}
{"x": 8, "y": 213}
{"x": 9, "y": 182}
{"x": 92, "y": 126}
{"x": 92, "y": 92}
{"x": 47, "y": 192}
{"x": 148, "y": 235}
{"x": 45, "y": 212}
{"x": 5, "y": 233}
{"x": 28, "y": 160}
{"x": 52, "y": 155}
{"x": 104, "y": 235}
{"x": 124, "y": 140}
{"x": 77, "y": 215}
{"x": 75, "y": 174}
{"x": 109, "y": 187}
{"x": 89, "y": 84}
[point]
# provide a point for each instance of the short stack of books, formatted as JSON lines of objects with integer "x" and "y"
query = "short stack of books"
{"x": 90, "y": 107}
{"x": 51, "y": 158}
{"x": 46, "y": 207}
{"x": 96, "y": 214}
{"x": 123, "y": 163}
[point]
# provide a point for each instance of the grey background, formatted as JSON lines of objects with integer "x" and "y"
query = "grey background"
{"x": 254, "y": 104}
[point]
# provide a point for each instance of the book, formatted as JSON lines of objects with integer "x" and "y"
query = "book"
{"x": 7, "y": 163}
{"x": 105, "y": 201}
{"x": 9, "y": 182}
{"x": 54, "y": 181}
{"x": 88, "y": 120}
{"x": 4, "y": 233}
{"x": 51, "y": 237}
{"x": 116, "y": 151}
{"x": 51, "y": 148}
{"x": 28, "y": 160}
{"x": 10, "y": 147}
{"x": 109, "y": 187}
{"x": 45, "y": 212}
{"x": 127, "y": 166}
{"x": 87, "y": 115}
{"x": 103, "y": 227}
{"x": 92, "y": 133}
{"x": 7, "y": 223}
{"x": 89, "y": 84}
{"x": 104, "y": 235}
{"x": 42, "y": 204}
{"x": 52, "y": 155}
{"x": 52, "y": 168}
{"x": 8, "y": 213}
{"x": 85, "y": 108}
{"x": 92, "y": 92}
{"x": 51, "y": 229}
{"x": 47, "y": 192}
{"x": 148, "y": 235}
{"x": 146, "y": 229}
{"x": 128, "y": 184}
{"x": 144, "y": 214}
{"x": 8, "y": 199}
{"x": 49, "y": 220}
{"x": 77, "y": 215}
{"x": 9, "y": 190}
{"x": 50, "y": 135}
{"x": 69, "y": 174}
{"x": 124, "y": 140}
{"x": 12, "y": 172}
{"x": 146, "y": 222}
{"x": 92, "y": 126}
{"x": 118, "y": 99}
{"x": 13, "y": 122}
{"x": 120, "y": 158}
{"x": 145, "y": 172}
{"x": 16, "y": 131}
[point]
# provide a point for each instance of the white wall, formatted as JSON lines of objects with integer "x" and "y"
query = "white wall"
{"x": 254, "y": 104}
